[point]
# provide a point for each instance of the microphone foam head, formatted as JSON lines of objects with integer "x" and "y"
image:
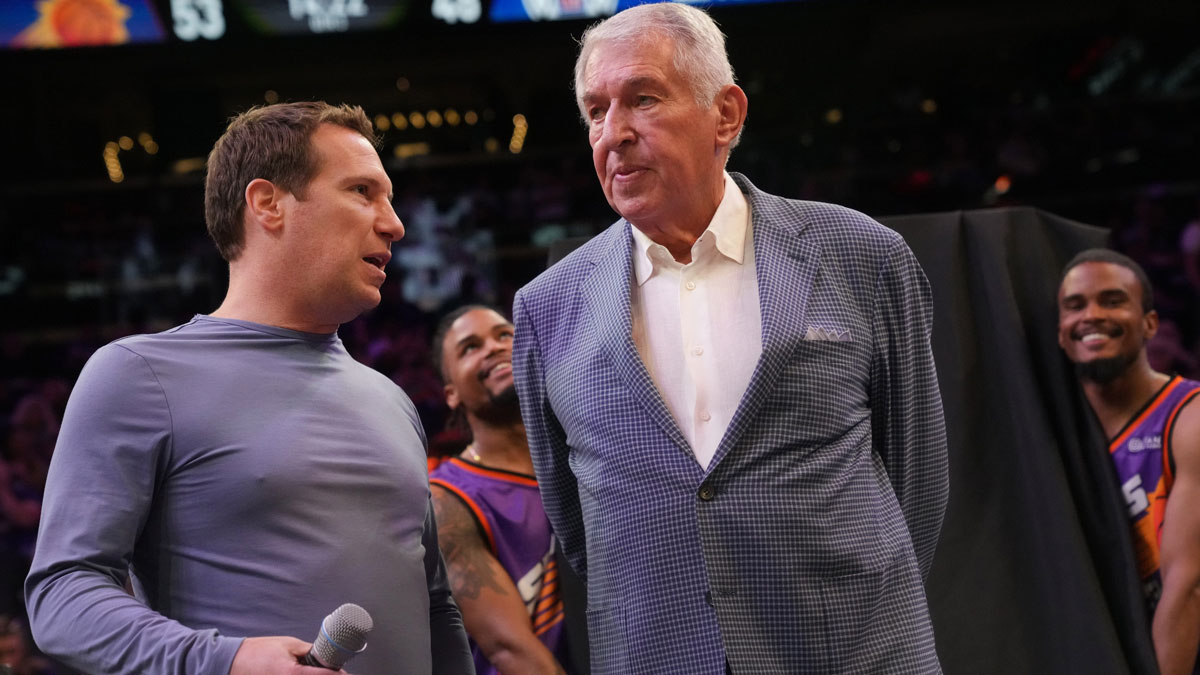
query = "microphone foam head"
{"x": 343, "y": 634}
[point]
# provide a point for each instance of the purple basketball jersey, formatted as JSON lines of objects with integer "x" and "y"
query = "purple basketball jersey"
{"x": 1141, "y": 455}
{"x": 508, "y": 509}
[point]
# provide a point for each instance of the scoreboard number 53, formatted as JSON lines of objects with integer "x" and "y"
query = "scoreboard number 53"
{"x": 198, "y": 19}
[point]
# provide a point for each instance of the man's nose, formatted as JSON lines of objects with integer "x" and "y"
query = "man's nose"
{"x": 617, "y": 129}
{"x": 1092, "y": 311}
{"x": 495, "y": 346}
{"x": 389, "y": 224}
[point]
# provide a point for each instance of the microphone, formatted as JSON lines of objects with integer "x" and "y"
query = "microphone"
{"x": 343, "y": 634}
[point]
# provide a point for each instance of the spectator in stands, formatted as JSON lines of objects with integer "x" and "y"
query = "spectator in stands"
{"x": 15, "y": 650}
{"x": 32, "y": 429}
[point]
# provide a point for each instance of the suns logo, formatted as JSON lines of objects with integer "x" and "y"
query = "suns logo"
{"x": 530, "y": 586}
{"x": 76, "y": 23}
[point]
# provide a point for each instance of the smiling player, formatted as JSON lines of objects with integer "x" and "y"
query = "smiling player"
{"x": 1105, "y": 317}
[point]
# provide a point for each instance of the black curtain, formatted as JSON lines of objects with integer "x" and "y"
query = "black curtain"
{"x": 1035, "y": 571}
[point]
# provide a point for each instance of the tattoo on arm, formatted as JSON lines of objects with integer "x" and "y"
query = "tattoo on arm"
{"x": 469, "y": 563}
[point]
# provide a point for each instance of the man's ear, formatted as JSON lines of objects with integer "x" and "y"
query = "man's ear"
{"x": 731, "y": 106}
{"x": 1150, "y": 324}
{"x": 452, "y": 399}
{"x": 264, "y": 204}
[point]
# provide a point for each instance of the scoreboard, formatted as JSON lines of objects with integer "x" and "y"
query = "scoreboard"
{"x": 195, "y": 19}
{"x": 33, "y": 24}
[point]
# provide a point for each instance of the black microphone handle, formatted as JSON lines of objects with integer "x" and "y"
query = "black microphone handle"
{"x": 310, "y": 660}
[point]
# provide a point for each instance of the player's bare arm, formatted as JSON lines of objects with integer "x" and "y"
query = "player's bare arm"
{"x": 1176, "y": 627}
{"x": 491, "y": 606}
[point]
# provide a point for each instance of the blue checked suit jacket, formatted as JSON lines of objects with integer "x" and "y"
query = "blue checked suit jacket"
{"x": 803, "y": 546}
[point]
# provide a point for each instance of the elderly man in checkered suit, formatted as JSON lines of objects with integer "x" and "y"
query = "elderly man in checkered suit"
{"x": 730, "y": 397}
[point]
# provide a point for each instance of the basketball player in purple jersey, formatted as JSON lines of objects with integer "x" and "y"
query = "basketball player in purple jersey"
{"x": 1105, "y": 317}
{"x": 492, "y": 529}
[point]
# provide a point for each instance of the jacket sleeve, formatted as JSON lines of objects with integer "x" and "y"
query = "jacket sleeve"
{"x": 447, "y": 635}
{"x": 111, "y": 451}
{"x": 547, "y": 441}
{"x": 908, "y": 429}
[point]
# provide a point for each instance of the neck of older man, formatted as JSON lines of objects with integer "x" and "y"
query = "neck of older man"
{"x": 677, "y": 231}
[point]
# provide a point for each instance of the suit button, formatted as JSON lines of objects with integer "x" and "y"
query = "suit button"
{"x": 708, "y": 598}
{"x": 707, "y": 493}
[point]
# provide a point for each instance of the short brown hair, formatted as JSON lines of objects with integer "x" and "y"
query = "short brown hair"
{"x": 270, "y": 142}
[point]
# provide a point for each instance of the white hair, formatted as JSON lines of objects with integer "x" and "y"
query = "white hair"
{"x": 699, "y": 45}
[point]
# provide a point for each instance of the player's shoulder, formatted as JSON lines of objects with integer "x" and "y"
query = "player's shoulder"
{"x": 444, "y": 470}
{"x": 1189, "y": 384}
{"x": 456, "y": 504}
{"x": 1182, "y": 432}
{"x": 1187, "y": 410}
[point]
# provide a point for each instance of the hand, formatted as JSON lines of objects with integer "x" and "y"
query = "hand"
{"x": 273, "y": 656}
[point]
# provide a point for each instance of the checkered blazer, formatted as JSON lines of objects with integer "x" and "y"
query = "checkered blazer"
{"x": 803, "y": 546}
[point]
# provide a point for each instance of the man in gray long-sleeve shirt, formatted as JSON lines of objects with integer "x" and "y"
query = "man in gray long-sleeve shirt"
{"x": 243, "y": 467}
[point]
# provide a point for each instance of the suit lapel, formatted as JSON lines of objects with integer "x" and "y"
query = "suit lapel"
{"x": 785, "y": 265}
{"x": 607, "y": 293}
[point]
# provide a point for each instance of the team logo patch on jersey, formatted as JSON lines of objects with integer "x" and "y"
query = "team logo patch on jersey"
{"x": 1143, "y": 443}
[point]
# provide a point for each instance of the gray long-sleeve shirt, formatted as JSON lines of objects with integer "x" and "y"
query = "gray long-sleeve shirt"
{"x": 254, "y": 479}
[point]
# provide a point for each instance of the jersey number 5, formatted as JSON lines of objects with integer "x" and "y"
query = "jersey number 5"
{"x": 1135, "y": 496}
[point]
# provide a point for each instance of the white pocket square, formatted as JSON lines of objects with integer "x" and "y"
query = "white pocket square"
{"x": 828, "y": 334}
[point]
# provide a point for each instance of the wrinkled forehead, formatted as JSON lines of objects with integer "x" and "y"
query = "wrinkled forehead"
{"x": 650, "y": 47}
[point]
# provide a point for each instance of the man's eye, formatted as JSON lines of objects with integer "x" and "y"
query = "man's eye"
{"x": 507, "y": 335}
{"x": 362, "y": 189}
{"x": 596, "y": 114}
{"x": 644, "y": 101}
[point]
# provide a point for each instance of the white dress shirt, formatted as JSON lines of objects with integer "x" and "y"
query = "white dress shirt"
{"x": 697, "y": 327}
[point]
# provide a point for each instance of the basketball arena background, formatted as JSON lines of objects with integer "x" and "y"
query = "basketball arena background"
{"x": 997, "y": 137}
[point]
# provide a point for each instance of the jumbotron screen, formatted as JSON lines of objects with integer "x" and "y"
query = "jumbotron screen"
{"x": 555, "y": 10}
{"x": 39, "y": 24}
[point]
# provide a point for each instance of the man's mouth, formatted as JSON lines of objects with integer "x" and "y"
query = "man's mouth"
{"x": 1094, "y": 335}
{"x": 379, "y": 260}
{"x": 501, "y": 368}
